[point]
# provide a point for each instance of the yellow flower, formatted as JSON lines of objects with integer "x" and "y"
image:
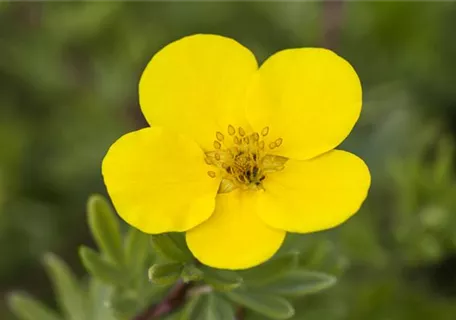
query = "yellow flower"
{"x": 236, "y": 155}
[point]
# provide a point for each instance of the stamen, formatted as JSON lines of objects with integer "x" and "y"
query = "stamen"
{"x": 245, "y": 163}
{"x": 278, "y": 142}
{"x": 219, "y": 136}
{"x": 226, "y": 186}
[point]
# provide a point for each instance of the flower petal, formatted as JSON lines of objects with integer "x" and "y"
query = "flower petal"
{"x": 158, "y": 181}
{"x": 234, "y": 237}
{"x": 195, "y": 86}
{"x": 316, "y": 194}
{"x": 309, "y": 97}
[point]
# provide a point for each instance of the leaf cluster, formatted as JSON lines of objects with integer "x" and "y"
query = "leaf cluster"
{"x": 156, "y": 276}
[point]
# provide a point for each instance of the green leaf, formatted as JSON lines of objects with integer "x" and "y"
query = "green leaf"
{"x": 207, "y": 307}
{"x": 165, "y": 273}
{"x": 270, "y": 270}
{"x": 225, "y": 310}
{"x": 176, "y": 315}
{"x": 136, "y": 250}
{"x": 269, "y": 305}
{"x": 222, "y": 280}
{"x": 104, "y": 226}
{"x": 301, "y": 282}
{"x": 28, "y": 308}
{"x": 100, "y": 295}
{"x": 69, "y": 294}
{"x": 171, "y": 247}
{"x": 100, "y": 268}
{"x": 124, "y": 303}
{"x": 191, "y": 273}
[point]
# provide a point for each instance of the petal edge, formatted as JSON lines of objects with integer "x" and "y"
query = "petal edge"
{"x": 158, "y": 181}
{"x": 309, "y": 97}
{"x": 234, "y": 237}
{"x": 317, "y": 194}
{"x": 196, "y": 85}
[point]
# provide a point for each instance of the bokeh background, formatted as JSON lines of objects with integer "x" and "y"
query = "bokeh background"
{"x": 68, "y": 89}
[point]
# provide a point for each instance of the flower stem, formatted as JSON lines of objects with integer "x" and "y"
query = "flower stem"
{"x": 332, "y": 18}
{"x": 173, "y": 300}
{"x": 240, "y": 313}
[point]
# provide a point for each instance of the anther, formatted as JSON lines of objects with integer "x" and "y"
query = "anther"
{"x": 217, "y": 145}
{"x": 246, "y": 140}
{"x": 272, "y": 145}
{"x": 208, "y": 160}
{"x": 255, "y": 136}
{"x": 241, "y": 132}
{"x": 236, "y": 140}
{"x": 217, "y": 156}
{"x": 231, "y": 130}
{"x": 219, "y": 136}
{"x": 261, "y": 145}
{"x": 278, "y": 142}
{"x": 212, "y": 174}
{"x": 265, "y": 131}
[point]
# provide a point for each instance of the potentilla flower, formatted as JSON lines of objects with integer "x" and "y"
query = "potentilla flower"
{"x": 236, "y": 155}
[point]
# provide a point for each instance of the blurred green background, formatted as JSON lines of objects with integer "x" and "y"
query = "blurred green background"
{"x": 68, "y": 89}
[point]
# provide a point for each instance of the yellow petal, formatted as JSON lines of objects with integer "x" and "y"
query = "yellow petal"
{"x": 195, "y": 86}
{"x": 158, "y": 181}
{"x": 234, "y": 237}
{"x": 316, "y": 194}
{"x": 309, "y": 97}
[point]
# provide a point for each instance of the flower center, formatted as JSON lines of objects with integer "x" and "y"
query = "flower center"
{"x": 243, "y": 158}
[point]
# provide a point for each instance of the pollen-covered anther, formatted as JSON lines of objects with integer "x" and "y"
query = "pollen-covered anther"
{"x": 231, "y": 130}
{"x": 244, "y": 162}
{"x": 220, "y": 137}
{"x": 211, "y": 174}
{"x": 278, "y": 142}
